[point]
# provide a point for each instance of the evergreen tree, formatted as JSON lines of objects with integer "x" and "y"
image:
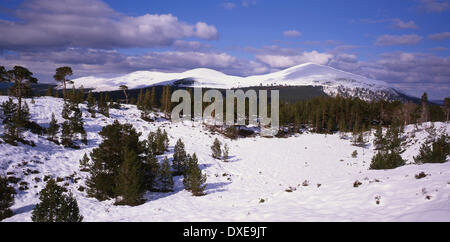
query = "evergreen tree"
{"x": 55, "y": 206}
{"x": 61, "y": 76}
{"x": 67, "y": 134}
{"x": 84, "y": 162}
{"x": 160, "y": 141}
{"x": 130, "y": 181}
{"x": 389, "y": 155}
{"x": 125, "y": 88}
{"x": 166, "y": 179}
{"x": 153, "y": 97}
{"x": 216, "y": 150}
{"x": 53, "y": 129}
{"x": 179, "y": 158}
{"x": 437, "y": 152}
{"x": 146, "y": 106}
{"x": 77, "y": 124}
{"x": 226, "y": 151}
{"x": 6, "y": 198}
{"x": 151, "y": 169}
{"x": 425, "y": 110}
{"x": 108, "y": 158}
{"x": 91, "y": 102}
{"x": 21, "y": 77}
{"x": 379, "y": 141}
{"x": 194, "y": 181}
{"x": 140, "y": 100}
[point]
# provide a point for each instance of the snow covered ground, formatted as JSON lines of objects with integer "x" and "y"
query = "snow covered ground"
{"x": 318, "y": 169}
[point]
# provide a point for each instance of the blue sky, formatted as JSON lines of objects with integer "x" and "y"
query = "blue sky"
{"x": 405, "y": 43}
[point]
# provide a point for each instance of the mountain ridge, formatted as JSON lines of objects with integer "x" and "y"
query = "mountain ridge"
{"x": 334, "y": 81}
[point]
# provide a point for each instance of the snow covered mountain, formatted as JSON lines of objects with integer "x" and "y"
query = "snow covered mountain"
{"x": 332, "y": 80}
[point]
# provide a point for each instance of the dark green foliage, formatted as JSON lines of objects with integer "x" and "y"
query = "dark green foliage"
{"x": 389, "y": 154}
{"x": 56, "y": 206}
{"x": 437, "y": 152}
{"x": 91, "y": 102}
{"x": 226, "y": 151}
{"x": 120, "y": 141}
{"x": 53, "y": 128}
{"x": 165, "y": 176}
{"x": 387, "y": 160}
{"x": 84, "y": 162}
{"x": 216, "y": 150}
{"x": 379, "y": 141}
{"x": 16, "y": 121}
{"x": 194, "y": 181}
{"x": 158, "y": 142}
{"x": 151, "y": 169}
{"x": 61, "y": 75}
{"x": 73, "y": 125}
{"x": 179, "y": 158}
{"x": 146, "y": 105}
{"x": 6, "y": 198}
{"x": 326, "y": 114}
{"x": 103, "y": 104}
{"x": 130, "y": 180}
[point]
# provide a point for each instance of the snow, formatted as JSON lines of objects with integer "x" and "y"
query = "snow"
{"x": 259, "y": 168}
{"x": 308, "y": 74}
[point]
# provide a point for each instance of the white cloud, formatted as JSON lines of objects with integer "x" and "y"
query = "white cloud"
{"x": 228, "y": 5}
{"x": 408, "y": 39}
{"x": 291, "y": 33}
{"x": 400, "y": 24}
{"x": 439, "y": 36}
{"x": 92, "y": 24}
{"x": 285, "y": 61}
{"x": 434, "y": 6}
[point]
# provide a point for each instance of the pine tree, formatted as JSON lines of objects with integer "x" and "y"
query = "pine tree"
{"x": 194, "y": 181}
{"x": 61, "y": 76}
{"x": 53, "y": 129}
{"x": 140, "y": 100}
{"x": 153, "y": 97}
{"x": 146, "y": 106}
{"x": 66, "y": 134}
{"x": 389, "y": 155}
{"x": 151, "y": 169}
{"x": 55, "y": 206}
{"x": 379, "y": 141}
{"x": 166, "y": 179}
{"x": 179, "y": 158}
{"x": 226, "y": 151}
{"x": 108, "y": 158}
{"x": 76, "y": 123}
{"x": 216, "y": 150}
{"x": 161, "y": 140}
{"x": 6, "y": 198}
{"x": 130, "y": 181}
{"x": 84, "y": 162}
{"x": 436, "y": 152}
{"x": 91, "y": 102}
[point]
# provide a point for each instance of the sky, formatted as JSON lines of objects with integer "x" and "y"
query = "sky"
{"x": 405, "y": 43}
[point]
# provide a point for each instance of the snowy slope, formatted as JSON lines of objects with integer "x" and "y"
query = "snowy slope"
{"x": 334, "y": 81}
{"x": 260, "y": 168}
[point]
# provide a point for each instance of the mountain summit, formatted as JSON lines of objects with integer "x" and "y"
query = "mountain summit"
{"x": 334, "y": 81}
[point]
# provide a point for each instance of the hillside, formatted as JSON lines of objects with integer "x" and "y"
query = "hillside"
{"x": 332, "y": 81}
{"x": 318, "y": 169}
